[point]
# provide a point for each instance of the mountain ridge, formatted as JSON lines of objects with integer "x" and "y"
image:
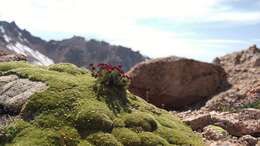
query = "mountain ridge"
{"x": 76, "y": 50}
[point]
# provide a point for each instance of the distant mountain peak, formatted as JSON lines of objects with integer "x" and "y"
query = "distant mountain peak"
{"x": 17, "y": 40}
{"x": 76, "y": 50}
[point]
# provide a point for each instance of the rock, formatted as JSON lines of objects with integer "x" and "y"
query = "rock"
{"x": 243, "y": 76}
{"x": 224, "y": 143}
{"x": 11, "y": 56}
{"x": 199, "y": 121}
{"x": 258, "y": 142}
{"x": 256, "y": 62}
{"x": 213, "y": 132}
{"x": 245, "y": 122}
{"x": 175, "y": 82}
{"x": 15, "y": 91}
{"x": 249, "y": 140}
{"x": 217, "y": 61}
{"x": 237, "y": 110}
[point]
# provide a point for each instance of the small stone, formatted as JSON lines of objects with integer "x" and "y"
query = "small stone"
{"x": 249, "y": 140}
{"x": 256, "y": 62}
{"x": 198, "y": 121}
{"x": 213, "y": 132}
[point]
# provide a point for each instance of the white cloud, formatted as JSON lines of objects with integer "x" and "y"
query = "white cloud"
{"x": 115, "y": 21}
{"x": 233, "y": 16}
{"x": 89, "y": 14}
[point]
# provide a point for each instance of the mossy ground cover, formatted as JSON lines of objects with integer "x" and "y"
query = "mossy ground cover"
{"x": 70, "y": 113}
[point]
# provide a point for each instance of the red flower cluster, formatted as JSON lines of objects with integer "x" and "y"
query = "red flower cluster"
{"x": 108, "y": 68}
{"x": 110, "y": 80}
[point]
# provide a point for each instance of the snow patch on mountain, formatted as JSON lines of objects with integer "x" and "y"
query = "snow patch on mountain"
{"x": 7, "y": 39}
{"x": 20, "y": 45}
{"x": 20, "y": 34}
{"x": 21, "y": 38}
{"x": 2, "y": 29}
{"x": 27, "y": 51}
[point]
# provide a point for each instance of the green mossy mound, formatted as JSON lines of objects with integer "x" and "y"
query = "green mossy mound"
{"x": 150, "y": 139}
{"x": 127, "y": 137}
{"x": 70, "y": 113}
{"x": 103, "y": 139}
{"x": 140, "y": 121}
{"x": 67, "y": 68}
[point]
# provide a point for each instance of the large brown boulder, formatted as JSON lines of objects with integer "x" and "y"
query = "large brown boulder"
{"x": 174, "y": 82}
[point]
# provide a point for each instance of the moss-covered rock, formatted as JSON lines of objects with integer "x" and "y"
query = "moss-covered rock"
{"x": 69, "y": 112}
{"x": 212, "y": 132}
{"x": 217, "y": 128}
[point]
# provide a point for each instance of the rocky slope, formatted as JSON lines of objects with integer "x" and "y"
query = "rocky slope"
{"x": 225, "y": 95}
{"x": 60, "y": 107}
{"x": 236, "y": 110}
{"x": 74, "y": 50}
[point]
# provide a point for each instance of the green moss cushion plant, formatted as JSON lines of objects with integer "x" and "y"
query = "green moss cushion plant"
{"x": 103, "y": 139}
{"x": 127, "y": 137}
{"x": 71, "y": 112}
{"x": 140, "y": 121}
{"x": 150, "y": 139}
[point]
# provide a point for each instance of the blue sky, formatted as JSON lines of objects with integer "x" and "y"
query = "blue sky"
{"x": 199, "y": 29}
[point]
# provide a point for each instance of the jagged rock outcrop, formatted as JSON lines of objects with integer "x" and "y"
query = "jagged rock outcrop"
{"x": 76, "y": 50}
{"x": 176, "y": 82}
{"x": 237, "y": 110}
{"x": 244, "y": 76}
